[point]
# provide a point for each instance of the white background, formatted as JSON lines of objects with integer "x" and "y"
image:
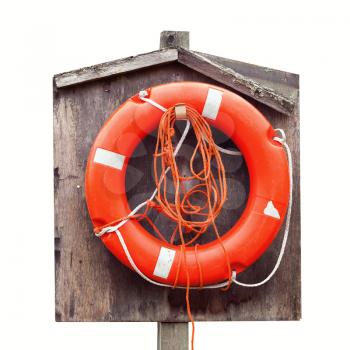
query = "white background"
{"x": 40, "y": 38}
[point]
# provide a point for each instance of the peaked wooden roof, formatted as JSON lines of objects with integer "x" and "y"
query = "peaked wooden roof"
{"x": 276, "y": 89}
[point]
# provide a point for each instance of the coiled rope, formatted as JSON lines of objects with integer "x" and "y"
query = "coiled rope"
{"x": 213, "y": 189}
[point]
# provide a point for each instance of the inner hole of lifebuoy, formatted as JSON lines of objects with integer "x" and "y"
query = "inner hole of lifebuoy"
{"x": 140, "y": 183}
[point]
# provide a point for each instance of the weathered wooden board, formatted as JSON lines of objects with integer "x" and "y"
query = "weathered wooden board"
{"x": 121, "y": 66}
{"x": 91, "y": 285}
{"x": 284, "y": 83}
{"x": 228, "y": 76}
{"x": 172, "y": 336}
{"x": 171, "y": 38}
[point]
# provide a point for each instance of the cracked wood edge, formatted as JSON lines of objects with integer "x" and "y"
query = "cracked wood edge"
{"x": 257, "y": 72}
{"x": 116, "y": 67}
{"x": 237, "y": 81}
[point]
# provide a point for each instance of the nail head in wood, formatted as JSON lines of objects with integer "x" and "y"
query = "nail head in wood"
{"x": 173, "y": 39}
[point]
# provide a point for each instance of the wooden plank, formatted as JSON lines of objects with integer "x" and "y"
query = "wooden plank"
{"x": 291, "y": 80}
{"x": 91, "y": 285}
{"x": 237, "y": 81}
{"x": 172, "y": 336}
{"x": 284, "y": 83}
{"x": 107, "y": 69}
{"x": 171, "y": 38}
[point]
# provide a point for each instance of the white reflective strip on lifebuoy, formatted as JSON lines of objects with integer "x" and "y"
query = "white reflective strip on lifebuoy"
{"x": 212, "y": 104}
{"x": 109, "y": 158}
{"x": 270, "y": 210}
{"x": 164, "y": 262}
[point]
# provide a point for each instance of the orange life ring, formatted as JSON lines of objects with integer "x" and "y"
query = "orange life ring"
{"x": 267, "y": 164}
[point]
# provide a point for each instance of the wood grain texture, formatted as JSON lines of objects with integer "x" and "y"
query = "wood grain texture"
{"x": 237, "y": 81}
{"x": 171, "y": 38}
{"x": 284, "y": 83}
{"x": 172, "y": 336}
{"x": 107, "y": 69}
{"x": 91, "y": 285}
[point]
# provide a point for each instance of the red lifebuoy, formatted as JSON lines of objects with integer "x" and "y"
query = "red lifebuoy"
{"x": 267, "y": 164}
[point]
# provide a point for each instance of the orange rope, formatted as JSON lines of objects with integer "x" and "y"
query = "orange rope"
{"x": 180, "y": 207}
{"x": 213, "y": 190}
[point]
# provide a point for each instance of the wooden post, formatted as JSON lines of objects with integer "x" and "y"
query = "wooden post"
{"x": 172, "y": 336}
{"x": 172, "y": 39}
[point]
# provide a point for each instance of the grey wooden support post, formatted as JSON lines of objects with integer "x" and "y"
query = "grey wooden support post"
{"x": 172, "y": 39}
{"x": 173, "y": 335}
